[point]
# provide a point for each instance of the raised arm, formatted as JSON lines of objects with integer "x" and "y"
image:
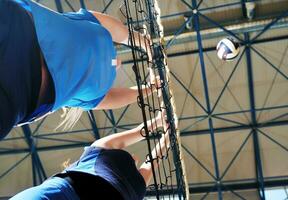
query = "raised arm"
{"x": 120, "y": 32}
{"x": 117, "y": 29}
{"x": 157, "y": 153}
{"x": 126, "y": 138}
{"x": 120, "y": 97}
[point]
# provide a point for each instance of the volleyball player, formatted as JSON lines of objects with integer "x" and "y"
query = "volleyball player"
{"x": 50, "y": 61}
{"x": 104, "y": 170}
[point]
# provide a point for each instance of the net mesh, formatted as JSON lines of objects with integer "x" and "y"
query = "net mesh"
{"x": 152, "y": 77}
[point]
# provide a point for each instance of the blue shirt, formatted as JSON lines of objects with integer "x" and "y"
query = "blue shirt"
{"x": 53, "y": 188}
{"x": 20, "y": 72}
{"x": 115, "y": 166}
{"x": 78, "y": 52}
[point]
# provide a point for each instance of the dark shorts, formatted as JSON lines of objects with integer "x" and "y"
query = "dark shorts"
{"x": 87, "y": 186}
{"x": 20, "y": 65}
{"x": 112, "y": 170}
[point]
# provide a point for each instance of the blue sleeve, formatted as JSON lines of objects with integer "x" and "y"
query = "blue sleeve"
{"x": 24, "y": 4}
{"x": 82, "y": 14}
{"x": 88, "y": 105}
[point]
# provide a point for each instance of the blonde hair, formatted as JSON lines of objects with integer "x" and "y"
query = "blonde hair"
{"x": 70, "y": 118}
{"x": 66, "y": 164}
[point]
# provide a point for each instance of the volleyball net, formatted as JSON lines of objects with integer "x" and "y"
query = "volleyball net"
{"x": 151, "y": 71}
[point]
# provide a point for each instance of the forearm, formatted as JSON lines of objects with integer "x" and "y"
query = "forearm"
{"x": 139, "y": 40}
{"x": 120, "y": 32}
{"x": 157, "y": 154}
{"x": 143, "y": 42}
{"x": 126, "y": 138}
{"x": 120, "y": 140}
{"x": 117, "y": 29}
{"x": 120, "y": 97}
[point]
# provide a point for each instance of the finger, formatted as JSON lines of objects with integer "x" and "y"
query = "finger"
{"x": 152, "y": 76}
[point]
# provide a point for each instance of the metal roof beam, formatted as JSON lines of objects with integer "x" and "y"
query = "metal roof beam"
{"x": 107, "y": 6}
{"x": 229, "y": 185}
{"x": 235, "y": 128}
{"x": 82, "y": 4}
{"x": 113, "y": 121}
{"x": 59, "y": 6}
{"x": 269, "y": 25}
{"x": 262, "y": 25}
{"x": 70, "y": 5}
{"x": 196, "y": 24}
{"x": 188, "y": 91}
{"x": 185, "y": 133}
{"x": 269, "y": 123}
{"x": 39, "y": 174}
{"x": 93, "y": 124}
{"x": 208, "y": 49}
{"x": 257, "y": 156}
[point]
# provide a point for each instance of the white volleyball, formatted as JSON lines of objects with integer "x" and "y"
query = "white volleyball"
{"x": 227, "y": 49}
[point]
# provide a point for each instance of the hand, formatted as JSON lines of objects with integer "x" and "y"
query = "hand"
{"x": 154, "y": 80}
{"x": 145, "y": 43}
{"x": 148, "y": 44}
{"x": 158, "y": 121}
{"x": 155, "y": 83}
{"x": 161, "y": 118}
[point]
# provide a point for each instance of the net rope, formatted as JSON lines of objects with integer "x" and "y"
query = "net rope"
{"x": 151, "y": 71}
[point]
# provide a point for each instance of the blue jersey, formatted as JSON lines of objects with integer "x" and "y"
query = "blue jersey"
{"x": 54, "y": 188}
{"x": 116, "y": 167}
{"x": 78, "y": 52}
{"x": 20, "y": 71}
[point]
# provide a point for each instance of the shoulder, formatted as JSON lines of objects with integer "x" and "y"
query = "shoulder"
{"x": 106, "y": 153}
{"x": 82, "y": 14}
